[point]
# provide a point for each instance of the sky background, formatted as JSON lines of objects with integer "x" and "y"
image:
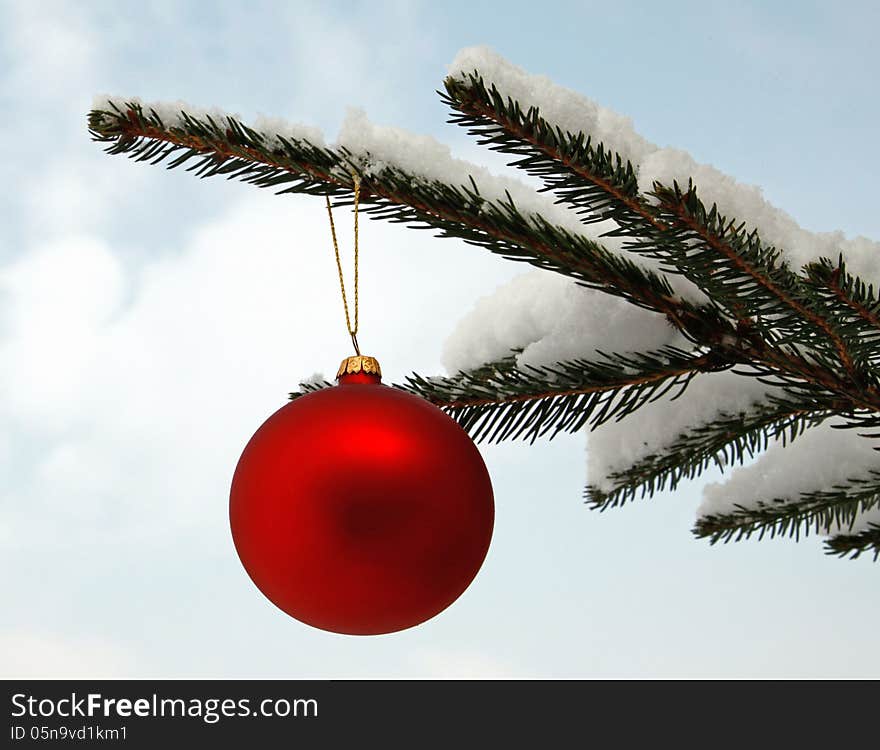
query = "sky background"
{"x": 149, "y": 323}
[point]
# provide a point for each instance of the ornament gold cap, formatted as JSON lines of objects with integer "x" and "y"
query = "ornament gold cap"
{"x": 359, "y": 364}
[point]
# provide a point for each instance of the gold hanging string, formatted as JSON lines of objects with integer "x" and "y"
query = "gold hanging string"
{"x": 352, "y": 331}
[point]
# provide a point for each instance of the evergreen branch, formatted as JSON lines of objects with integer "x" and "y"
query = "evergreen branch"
{"x": 500, "y": 401}
{"x": 854, "y": 545}
{"x": 233, "y": 150}
{"x": 230, "y": 149}
{"x": 589, "y": 177}
{"x": 791, "y": 370}
{"x": 735, "y": 268}
{"x": 307, "y": 388}
{"x": 853, "y": 305}
{"x": 595, "y": 182}
{"x": 730, "y": 438}
{"x": 817, "y": 511}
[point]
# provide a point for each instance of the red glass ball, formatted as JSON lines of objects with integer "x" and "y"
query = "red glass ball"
{"x": 361, "y": 509}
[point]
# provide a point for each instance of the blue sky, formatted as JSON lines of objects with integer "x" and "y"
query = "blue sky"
{"x": 149, "y": 322}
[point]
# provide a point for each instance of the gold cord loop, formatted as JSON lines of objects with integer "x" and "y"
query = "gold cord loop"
{"x": 351, "y": 330}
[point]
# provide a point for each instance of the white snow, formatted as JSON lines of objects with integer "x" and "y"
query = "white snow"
{"x": 560, "y": 106}
{"x": 574, "y": 112}
{"x": 379, "y": 146}
{"x": 615, "y": 446}
{"x": 553, "y": 320}
{"x": 818, "y": 460}
{"x": 171, "y": 114}
{"x": 747, "y": 203}
{"x": 275, "y": 126}
{"x": 316, "y": 378}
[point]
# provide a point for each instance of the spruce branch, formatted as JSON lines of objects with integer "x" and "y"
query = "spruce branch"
{"x": 307, "y": 388}
{"x": 235, "y": 151}
{"x": 813, "y": 511}
{"x": 729, "y": 439}
{"x": 501, "y": 401}
{"x": 587, "y": 176}
{"x": 736, "y": 269}
{"x": 766, "y": 305}
{"x": 853, "y": 306}
{"x": 733, "y": 268}
{"x": 854, "y": 545}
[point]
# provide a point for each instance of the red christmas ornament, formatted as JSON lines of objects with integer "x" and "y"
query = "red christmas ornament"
{"x": 361, "y": 509}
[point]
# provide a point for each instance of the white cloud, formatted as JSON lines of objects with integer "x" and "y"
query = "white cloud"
{"x": 59, "y": 297}
{"x": 81, "y": 191}
{"x": 56, "y": 53}
{"x": 143, "y": 387}
{"x": 139, "y": 403}
{"x": 53, "y": 48}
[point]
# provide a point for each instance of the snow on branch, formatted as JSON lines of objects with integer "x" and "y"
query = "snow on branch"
{"x": 174, "y": 115}
{"x": 552, "y": 320}
{"x": 573, "y": 112}
{"x": 826, "y": 459}
{"x": 271, "y": 152}
{"x": 546, "y": 127}
{"x": 618, "y": 445}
